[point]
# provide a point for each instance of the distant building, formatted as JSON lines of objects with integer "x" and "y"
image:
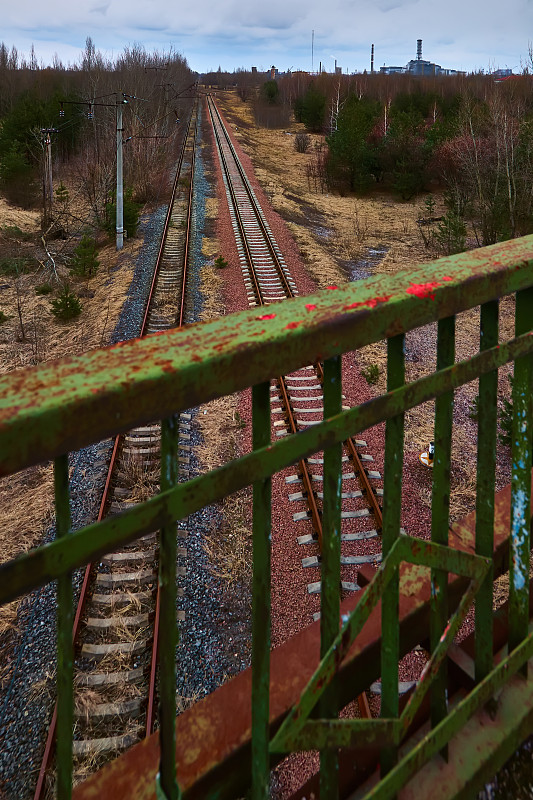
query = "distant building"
{"x": 391, "y": 70}
{"x": 501, "y": 73}
{"x": 418, "y": 66}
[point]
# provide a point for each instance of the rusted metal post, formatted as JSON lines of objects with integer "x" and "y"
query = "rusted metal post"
{"x": 440, "y": 512}
{"x": 65, "y": 674}
{"x": 486, "y": 476}
{"x": 521, "y": 481}
{"x": 167, "y": 617}
{"x": 261, "y": 625}
{"x": 330, "y": 573}
{"x": 392, "y": 492}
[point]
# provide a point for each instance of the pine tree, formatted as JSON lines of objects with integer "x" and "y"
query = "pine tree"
{"x": 85, "y": 262}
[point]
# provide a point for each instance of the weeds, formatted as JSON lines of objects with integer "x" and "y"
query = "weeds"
{"x": 220, "y": 262}
{"x": 43, "y": 288}
{"x": 14, "y": 232}
{"x": 361, "y": 226}
{"x": 3, "y": 317}
{"x": 302, "y": 142}
{"x": 16, "y": 266}
{"x": 371, "y": 374}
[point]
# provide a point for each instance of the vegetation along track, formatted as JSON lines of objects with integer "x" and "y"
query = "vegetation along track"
{"x": 116, "y": 622}
{"x": 297, "y": 399}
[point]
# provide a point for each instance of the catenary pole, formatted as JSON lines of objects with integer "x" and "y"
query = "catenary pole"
{"x": 121, "y": 100}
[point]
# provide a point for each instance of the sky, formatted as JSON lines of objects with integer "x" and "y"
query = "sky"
{"x": 232, "y": 35}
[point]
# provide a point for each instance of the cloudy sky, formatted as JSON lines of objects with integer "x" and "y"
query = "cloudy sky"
{"x": 231, "y": 34}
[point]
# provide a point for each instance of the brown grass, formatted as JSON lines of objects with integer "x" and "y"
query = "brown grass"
{"x": 331, "y": 230}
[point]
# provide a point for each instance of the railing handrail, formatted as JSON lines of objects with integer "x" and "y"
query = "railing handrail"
{"x": 68, "y": 404}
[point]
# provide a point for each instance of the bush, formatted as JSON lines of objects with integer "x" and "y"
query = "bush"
{"x": 371, "y": 374}
{"x": 43, "y": 288}
{"x": 15, "y": 266}
{"x": 67, "y": 304}
{"x": 14, "y": 232}
{"x": 302, "y": 142}
{"x": 451, "y": 234}
{"x": 3, "y": 317}
{"x": 220, "y": 262}
{"x": 85, "y": 263}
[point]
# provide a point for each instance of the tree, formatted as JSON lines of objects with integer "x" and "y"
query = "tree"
{"x": 85, "y": 262}
{"x": 353, "y": 158}
{"x": 66, "y": 305}
{"x": 310, "y": 109}
{"x": 270, "y": 92}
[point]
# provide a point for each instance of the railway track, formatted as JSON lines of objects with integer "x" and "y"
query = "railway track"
{"x": 116, "y": 624}
{"x": 297, "y": 399}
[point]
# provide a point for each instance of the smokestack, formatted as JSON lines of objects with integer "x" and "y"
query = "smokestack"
{"x": 335, "y": 66}
{"x": 419, "y": 49}
{"x": 372, "y": 60}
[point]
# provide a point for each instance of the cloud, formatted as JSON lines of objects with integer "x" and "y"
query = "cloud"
{"x": 234, "y": 34}
{"x": 100, "y": 9}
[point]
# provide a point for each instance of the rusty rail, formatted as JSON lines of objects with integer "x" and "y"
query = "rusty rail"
{"x": 84, "y": 592}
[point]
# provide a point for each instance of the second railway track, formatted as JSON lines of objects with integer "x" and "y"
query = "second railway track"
{"x": 297, "y": 399}
{"x": 116, "y": 623}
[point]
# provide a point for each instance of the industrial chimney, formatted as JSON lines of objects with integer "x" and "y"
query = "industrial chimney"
{"x": 419, "y": 49}
{"x": 372, "y": 60}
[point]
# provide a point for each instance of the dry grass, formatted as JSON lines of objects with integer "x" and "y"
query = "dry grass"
{"x": 331, "y": 230}
{"x": 228, "y": 547}
{"x": 141, "y": 479}
{"x": 27, "y": 498}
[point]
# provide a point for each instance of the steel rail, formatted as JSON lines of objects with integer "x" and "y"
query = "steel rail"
{"x": 361, "y": 472}
{"x": 84, "y": 592}
{"x": 258, "y": 211}
{"x": 151, "y": 707}
{"x": 304, "y": 469}
{"x": 349, "y": 444}
{"x": 316, "y": 518}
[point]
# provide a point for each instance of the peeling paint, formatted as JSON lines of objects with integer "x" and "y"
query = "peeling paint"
{"x": 292, "y": 325}
{"x": 423, "y": 290}
{"x": 370, "y": 303}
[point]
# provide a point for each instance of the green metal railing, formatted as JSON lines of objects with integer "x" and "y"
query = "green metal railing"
{"x": 53, "y": 409}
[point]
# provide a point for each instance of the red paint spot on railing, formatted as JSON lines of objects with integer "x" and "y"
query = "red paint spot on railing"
{"x": 292, "y": 325}
{"x": 422, "y": 290}
{"x": 372, "y": 302}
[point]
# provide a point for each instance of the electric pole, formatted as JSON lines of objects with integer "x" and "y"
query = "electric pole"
{"x": 121, "y": 100}
{"x": 48, "y": 185}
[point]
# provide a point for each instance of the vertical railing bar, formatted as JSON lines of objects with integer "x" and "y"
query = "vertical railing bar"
{"x": 168, "y": 632}
{"x": 330, "y": 570}
{"x": 520, "y": 480}
{"x": 392, "y": 506}
{"x": 261, "y": 610}
{"x": 65, "y": 614}
{"x": 440, "y": 513}
{"x": 485, "y": 487}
